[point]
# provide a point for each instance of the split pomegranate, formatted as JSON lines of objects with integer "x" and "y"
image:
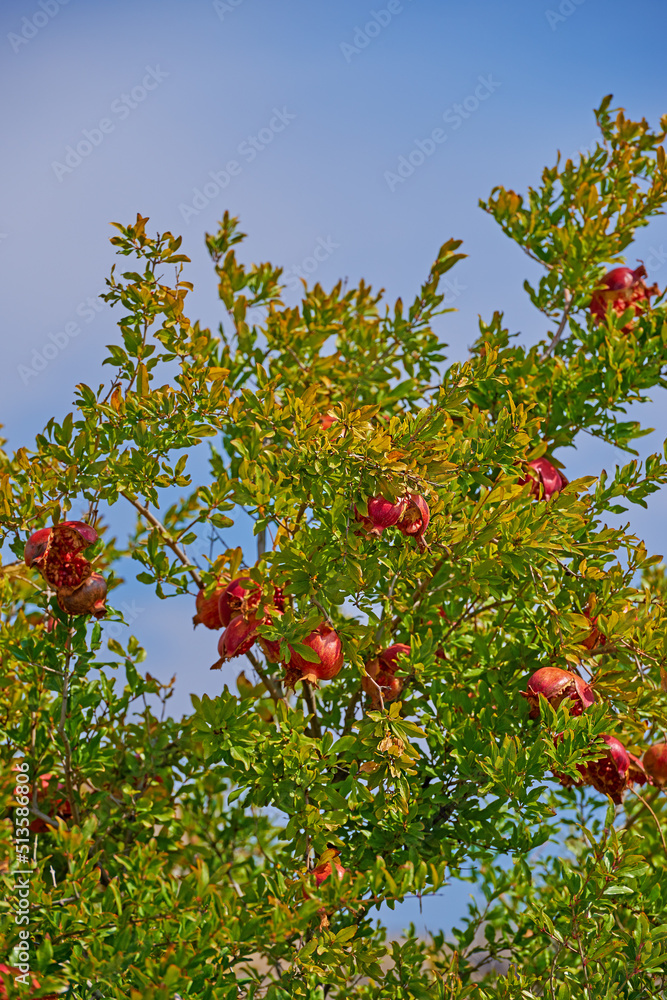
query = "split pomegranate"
{"x": 325, "y": 643}
{"x": 380, "y": 672}
{"x": 88, "y": 599}
{"x": 655, "y": 764}
{"x": 381, "y": 514}
{"x": 545, "y": 479}
{"x": 241, "y": 597}
{"x": 556, "y": 685}
{"x": 56, "y": 553}
{"x": 622, "y": 288}
{"x": 414, "y": 521}
{"x": 237, "y": 639}
{"x": 613, "y": 773}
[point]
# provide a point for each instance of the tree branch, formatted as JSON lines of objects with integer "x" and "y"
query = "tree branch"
{"x": 559, "y": 332}
{"x": 168, "y": 538}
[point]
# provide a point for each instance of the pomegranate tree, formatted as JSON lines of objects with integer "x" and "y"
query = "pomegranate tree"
{"x": 342, "y": 568}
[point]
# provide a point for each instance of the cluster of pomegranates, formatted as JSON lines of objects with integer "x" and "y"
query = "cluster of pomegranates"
{"x": 623, "y": 288}
{"x": 410, "y": 514}
{"x": 618, "y": 769}
{"x": 57, "y": 554}
{"x": 235, "y": 608}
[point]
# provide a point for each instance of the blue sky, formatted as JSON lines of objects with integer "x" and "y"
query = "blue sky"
{"x": 317, "y": 104}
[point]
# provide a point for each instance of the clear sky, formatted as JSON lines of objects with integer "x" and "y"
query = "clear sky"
{"x": 294, "y": 115}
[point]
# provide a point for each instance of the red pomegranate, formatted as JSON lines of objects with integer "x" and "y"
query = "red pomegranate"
{"x": 237, "y": 639}
{"x": 56, "y": 553}
{"x": 380, "y": 672}
{"x": 326, "y": 420}
{"x": 595, "y": 637}
{"x": 655, "y": 764}
{"x": 613, "y": 773}
{"x": 208, "y": 614}
{"x": 414, "y": 521}
{"x": 622, "y": 288}
{"x": 381, "y": 514}
{"x": 545, "y": 479}
{"x": 556, "y": 685}
{"x": 88, "y": 599}
{"x": 325, "y": 643}
{"x": 241, "y": 597}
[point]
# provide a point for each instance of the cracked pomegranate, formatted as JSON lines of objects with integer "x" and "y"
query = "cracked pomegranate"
{"x": 88, "y": 599}
{"x": 56, "y": 552}
{"x": 556, "y": 685}
{"x": 623, "y": 288}
{"x": 380, "y": 673}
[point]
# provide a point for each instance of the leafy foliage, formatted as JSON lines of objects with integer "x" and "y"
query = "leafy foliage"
{"x": 186, "y": 865}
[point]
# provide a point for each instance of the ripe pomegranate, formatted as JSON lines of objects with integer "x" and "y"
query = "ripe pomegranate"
{"x": 322, "y": 872}
{"x": 381, "y": 514}
{"x": 595, "y": 636}
{"x": 241, "y": 597}
{"x": 556, "y": 685}
{"x": 325, "y": 642}
{"x": 207, "y": 609}
{"x": 88, "y": 599}
{"x": 613, "y": 773}
{"x": 326, "y": 420}
{"x": 380, "y": 671}
{"x": 56, "y": 553}
{"x": 237, "y": 639}
{"x": 623, "y": 288}
{"x": 655, "y": 764}
{"x": 414, "y": 521}
{"x": 545, "y": 479}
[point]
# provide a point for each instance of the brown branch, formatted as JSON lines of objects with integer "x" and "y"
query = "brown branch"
{"x": 272, "y": 686}
{"x": 561, "y": 327}
{"x": 69, "y": 784}
{"x": 309, "y": 698}
{"x": 168, "y": 538}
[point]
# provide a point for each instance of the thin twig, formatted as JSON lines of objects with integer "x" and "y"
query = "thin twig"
{"x": 169, "y": 540}
{"x": 272, "y": 686}
{"x": 559, "y": 332}
{"x": 315, "y": 727}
